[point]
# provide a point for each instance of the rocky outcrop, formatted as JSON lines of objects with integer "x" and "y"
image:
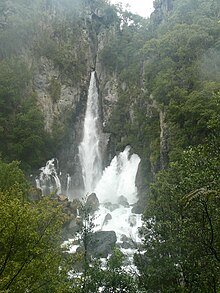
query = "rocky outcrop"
{"x": 162, "y": 10}
{"x": 108, "y": 217}
{"x": 139, "y": 207}
{"x": 62, "y": 198}
{"x": 92, "y": 203}
{"x": 73, "y": 224}
{"x": 122, "y": 200}
{"x": 55, "y": 98}
{"x": 62, "y": 97}
{"x": 127, "y": 243}
{"x": 111, "y": 206}
{"x": 102, "y": 243}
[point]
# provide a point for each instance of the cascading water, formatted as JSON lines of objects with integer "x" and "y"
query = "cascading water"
{"x": 89, "y": 152}
{"x": 119, "y": 179}
{"x": 68, "y": 183}
{"x": 117, "y": 193}
{"x": 115, "y": 186}
{"x": 48, "y": 181}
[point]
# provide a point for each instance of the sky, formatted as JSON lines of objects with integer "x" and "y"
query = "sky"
{"x": 141, "y": 7}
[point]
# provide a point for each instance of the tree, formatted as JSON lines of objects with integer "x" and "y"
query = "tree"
{"x": 181, "y": 225}
{"x": 22, "y": 133}
{"x": 30, "y": 254}
{"x": 110, "y": 277}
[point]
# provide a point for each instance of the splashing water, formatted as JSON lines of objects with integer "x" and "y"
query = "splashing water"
{"x": 48, "y": 181}
{"x": 115, "y": 182}
{"x": 119, "y": 178}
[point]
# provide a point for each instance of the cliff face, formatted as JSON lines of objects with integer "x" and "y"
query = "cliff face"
{"x": 61, "y": 82}
{"x": 162, "y": 9}
{"x": 61, "y": 43}
{"x": 58, "y": 94}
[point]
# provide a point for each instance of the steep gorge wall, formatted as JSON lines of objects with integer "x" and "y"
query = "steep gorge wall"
{"x": 66, "y": 43}
{"x": 62, "y": 97}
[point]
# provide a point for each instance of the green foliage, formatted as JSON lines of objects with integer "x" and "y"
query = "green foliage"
{"x": 22, "y": 133}
{"x": 54, "y": 89}
{"x": 171, "y": 67}
{"x": 18, "y": 26}
{"x": 30, "y": 254}
{"x": 59, "y": 49}
{"x": 112, "y": 278}
{"x": 12, "y": 177}
{"x": 181, "y": 225}
{"x": 195, "y": 120}
{"x": 122, "y": 54}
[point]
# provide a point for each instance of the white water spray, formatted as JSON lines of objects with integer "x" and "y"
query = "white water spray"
{"x": 119, "y": 179}
{"x": 48, "y": 180}
{"x": 115, "y": 182}
{"x": 68, "y": 183}
{"x": 89, "y": 149}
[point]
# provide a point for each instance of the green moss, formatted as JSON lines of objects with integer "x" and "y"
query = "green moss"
{"x": 54, "y": 89}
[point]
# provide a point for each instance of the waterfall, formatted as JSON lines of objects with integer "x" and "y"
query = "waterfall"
{"x": 115, "y": 186}
{"x": 48, "y": 180}
{"x": 68, "y": 182}
{"x": 89, "y": 149}
{"x": 119, "y": 178}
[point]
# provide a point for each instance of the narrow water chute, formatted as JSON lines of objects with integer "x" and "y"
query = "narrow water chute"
{"x": 89, "y": 148}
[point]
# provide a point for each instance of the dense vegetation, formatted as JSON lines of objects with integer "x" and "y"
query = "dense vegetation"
{"x": 31, "y": 257}
{"x": 28, "y": 32}
{"x": 182, "y": 215}
{"x": 30, "y": 254}
{"x": 168, "y": 110}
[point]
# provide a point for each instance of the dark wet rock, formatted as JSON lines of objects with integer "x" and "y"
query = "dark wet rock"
{"x": 62, "y": 198}
{"x": 92, "y": 203}
{"x": 122, "y": 200}
{"x": 111, "y": 206}
{"x": 71, "y": 227}
{"x": 74, "y": 221}
{"x": 74, "y": 206}
{"x": 127, "y": 243}
{"x": 102, "y": 243}
{"x": 132, "y": 220}
{"x": 108, "y": 217}
{"x": 139, "y": 207}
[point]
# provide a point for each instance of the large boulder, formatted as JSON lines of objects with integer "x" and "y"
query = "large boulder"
{"x": 92, "y": 203}
{"x": 139, "y": 207}
{"x": 102, "y": 243}
{"x": 132, "y": 220}
{"x": 111, "y": 206}
{"x": 127, "y": 243}
{"x": 122, "y": 200}
{"x": 62, "y": 198}
{"x": 108, "y": 217}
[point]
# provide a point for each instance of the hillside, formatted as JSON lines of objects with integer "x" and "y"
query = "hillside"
{"x": 158, "y": 83}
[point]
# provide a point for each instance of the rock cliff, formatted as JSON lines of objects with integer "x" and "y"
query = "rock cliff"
{"x": 61, "y": 81}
